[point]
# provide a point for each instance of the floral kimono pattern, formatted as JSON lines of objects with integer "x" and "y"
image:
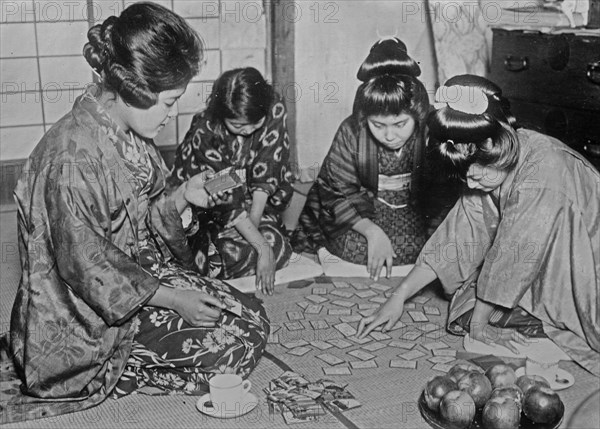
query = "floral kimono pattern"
{"x": 262, "y": 159}
{"x": 97, "y": 236}
{"x": 536, "y": 248}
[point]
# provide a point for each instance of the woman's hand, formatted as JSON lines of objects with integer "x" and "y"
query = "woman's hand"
{"x": 265, "y": 270}
{"x": 489, "y": 334}
{"x": 389, "y": 314}
{"x": 380, "y": 252}
{"x": 194, "y": 192}
{"x": 197, "y": 308}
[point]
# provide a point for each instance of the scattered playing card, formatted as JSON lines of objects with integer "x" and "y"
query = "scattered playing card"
{"x": 361, "y": 354}
{"x": 441, "y": 359}
{"x": 342, "y": 303}
{"x": 412, "y": 355}
{"x": 360, "y": 286}
{"x": 342, "y": 293}
{"x": 299, "y": 351}
{"x": 339, "y": 311}
{"x": 351, "y": 319}
{"x": 273, "y": 338}
{"x": 294, "y": 344}
{"x": 409, "y": 306}
{"x": 363, "y": 340}
{"x": 399, "y": 363}
{"x": 363, "y": 364}
{"x": 444, "y": 352}
{"x": 321, "y": 345}
{"x": 378, "y": 300}
{"x": 345, "y": 329}
{"x": 379, "y": 336}
{"x": 367, "y": 313}
{"x": 232, "y": 305}
{"x": 313, "y": 309}
{"x": 418, "y": 316}
{"x": 420, "y": 299}
{"x": 223, "y": 180}
{"x": 295, "y": 315}
{"x": 294, "y": 326}
{"x": 316, "y": 299}
{"x": 319, "y": 324}
{"x": 341, "y": 370}
{"x": 330, "y": 359}
{"x": 435, "y": 345}
{"x": 430, "y": 309}
{"x": 373, "y": 347}
{"x": 339, "y": 343}
{"x": 407, "y": 345}
{"x": 380, "y": 287}
{"x": 444, "y": 367}
{"x": 341, "y": 285}
{"x": 411, "y": 335}
{"x": 319, "y": 291}
{"x": 303, "y": 304}
{"x": 367, "y": 305}
{"x": 366, "y": 294}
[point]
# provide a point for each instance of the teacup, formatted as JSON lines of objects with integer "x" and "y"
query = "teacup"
{"x": 227, "y": 392}
{"x": 547, "y": 368}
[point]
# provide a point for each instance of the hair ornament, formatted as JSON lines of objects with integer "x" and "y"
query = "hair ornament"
{"x": 465, "y": 99}
{"x": 384, "y": 38}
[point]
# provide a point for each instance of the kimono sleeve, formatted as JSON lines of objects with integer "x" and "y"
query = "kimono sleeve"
{"x": 341, "y": 193}
{"x": 108, "y": 280}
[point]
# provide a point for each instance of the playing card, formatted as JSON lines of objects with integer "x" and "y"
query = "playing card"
{"x": 321, "y": 345}
{"x": 363, "y": 364}
{"x": 380, "y": 287}
{"x": 339, "y": 311}
{"x": 273, "y": 338}
{"x": 294, "y": 326}
{"x": 361, "y": 354}
{"x": 363, "y": 340}
{"x": 367, "y": 313}
{"x": 341, "y": 370}
{"x": 373, "y": 347}
{"x": 319, "y": 291}
{"x": 410, "y": 335}
{"x": 420, "y": 299}
{"x": 412, "y": 355}
{"x": 303, "y": 304}
{"x": 379, "y": 336}
{"x": 430, "y": 309}
{"x": 444, "y": 367}
{"x": 316, "y": 299}
{"x": 366, "y": 294}
{"x": 378, "y": 300}
{"x": 399, "y": 363}
{"x": 299, "y": 351}
{"x": 319, "y": 324}
{"x": 345, "y": 329}
{"x": 435, "y": 345}
{"x": 342, "y": 303}
{"x": 339, "y": 343}
{"x": 441, "y": 359}
{"x": 232, "y": 305}
{"x": 344, "y": 404}
{"x": 341, "y": 285}
{"x": 409, "y": 306}
{"x": 342, "y": 293}
{"x": 351, "y": 319}
{"x": 295, "y": 315}
{"x": 417, "y": 316}
{"x": 222, "y": 181}
{"x": 360, "y": 286}
{"x": 330, "y": 359}
{"x": 313, "y": 309}
{"x": 444, "y": 352}
{"x": 407, "y": 345}
{"x": 367, "y": 305}
{"x": 294, "y": 344}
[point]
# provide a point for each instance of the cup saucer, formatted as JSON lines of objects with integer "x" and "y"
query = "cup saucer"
{"x": 562, "y": 380}
{"x": 206, "y": 407}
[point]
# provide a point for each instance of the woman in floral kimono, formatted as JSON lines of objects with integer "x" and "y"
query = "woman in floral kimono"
{"x": 522, "y": 245}
{"x": 243, "y": 128}
{"x": 363, "y": 206}
{"x": 108, "y": 300}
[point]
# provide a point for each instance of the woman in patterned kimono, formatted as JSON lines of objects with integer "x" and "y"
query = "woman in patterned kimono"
{"x": 521, "y": 247}
{"x": 108, "y": 300}
{"x": 244, "y": 128}
{"x": 363, "y": 206}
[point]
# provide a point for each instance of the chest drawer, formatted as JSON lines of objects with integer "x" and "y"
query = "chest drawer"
{"x": 559, "y": 69}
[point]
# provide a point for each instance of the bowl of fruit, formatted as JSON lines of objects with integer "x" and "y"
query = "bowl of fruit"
{"x": 469, "y": 398}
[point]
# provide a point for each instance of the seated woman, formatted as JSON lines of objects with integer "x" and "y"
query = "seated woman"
{"x": 243, "y": 127}
{"x": 363, "y": 205}
{"x": 523, "y": 239}
{"x": 108, "y": 301}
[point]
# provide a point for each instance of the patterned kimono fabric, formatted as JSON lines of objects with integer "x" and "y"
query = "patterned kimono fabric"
{"x": 167, "y": 352}
{"x": 262, "y": 160}
{"x": 395, "y": 213}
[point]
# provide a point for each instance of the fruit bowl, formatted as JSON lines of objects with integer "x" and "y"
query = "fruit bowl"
{"x": 436, "y": 421}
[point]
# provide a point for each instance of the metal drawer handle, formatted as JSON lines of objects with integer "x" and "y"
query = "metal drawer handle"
{"x": 593, "y": 72}
{"x": 516, "y": 64}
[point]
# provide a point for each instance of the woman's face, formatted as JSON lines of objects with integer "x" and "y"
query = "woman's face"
{"x": 242, "y": 127}
{"x": 485, "y": 178}
{"x": 392, "y": 131}
{"x": 148, "y": 123}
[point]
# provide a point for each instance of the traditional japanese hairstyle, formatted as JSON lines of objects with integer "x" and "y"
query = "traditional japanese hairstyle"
{"x": 146, "y": 50}
{"x": 390, "y": 85}
{"x": 472, "y": 123}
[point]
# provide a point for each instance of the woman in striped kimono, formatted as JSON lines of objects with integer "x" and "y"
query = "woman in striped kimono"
{"x": 363, "y": 205}
{"x": 244, "y": 128}
{"x": 520, "y": 251}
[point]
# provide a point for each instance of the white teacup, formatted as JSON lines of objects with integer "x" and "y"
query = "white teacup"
{"x": 547, "y": 368}
{"x": 227, "y": 392}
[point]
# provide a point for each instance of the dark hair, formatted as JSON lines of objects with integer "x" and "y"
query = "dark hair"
{"x": 463, "y": 139}
{"x": 146, "y": 50}
{"x": 239, "y": 94}
{"x": 390, "y": 85}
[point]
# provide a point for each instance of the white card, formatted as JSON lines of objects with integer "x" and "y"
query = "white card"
{"x": 346, "y": 329}
{"x": 379, "y": 336}
{"x": 319, "y": 324}
{"x": 342, "y": 293}
{"x": 339, "y": 343}
{"x": 361, "y": 354}
{"x": 399, "y": 363}
{"x": 351, "y": 319}
{"x": 417, "y": 316}
{"x": 299, "y": 351}
{"x": 339, "y": 311}
{"x": 412, "y": 355}
{"x": 330, "y": 359}
{"x": 373, "y": 347}
{"x": 342, "y": 303}
{"x": 363, "y": 364}
{"x": 316, "y": 299}
{"x": 313, "y": 309}
{"x": 340, "y": 370}
{"x": 321, "y": 345}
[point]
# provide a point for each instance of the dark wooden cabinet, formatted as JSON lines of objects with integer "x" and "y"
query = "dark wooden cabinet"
{"x": 553, "y": 83}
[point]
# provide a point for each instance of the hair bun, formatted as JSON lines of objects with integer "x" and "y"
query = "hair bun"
{"x": 99, "y": 44}
{"x": 388, "y": 56}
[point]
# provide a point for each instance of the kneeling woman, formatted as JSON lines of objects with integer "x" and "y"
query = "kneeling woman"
{"x": 362, "y": 207}
{"x": 520, "y": 251}
{"x": 243, "y": 128}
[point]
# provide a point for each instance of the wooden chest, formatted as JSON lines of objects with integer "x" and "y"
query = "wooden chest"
{"x": 553, "y": 83}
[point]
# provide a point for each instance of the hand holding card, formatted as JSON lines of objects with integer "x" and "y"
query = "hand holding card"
{"x": 224, "y": 180}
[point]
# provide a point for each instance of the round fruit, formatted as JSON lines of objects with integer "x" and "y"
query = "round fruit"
{"x": 543, "y": 405}
{"x": 501, "y": 375}
{"x": 513, "y": 392}
{"x": 461, "y": 369}
{"x": 457, "y": 408}
{"x": 501, "y": 413}
{"x": 436, "y": 388}
{"x": 526, "y": 382}
{"x": 478, "y": 386}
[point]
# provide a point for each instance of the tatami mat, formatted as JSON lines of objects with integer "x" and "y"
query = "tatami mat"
{"x": 388, "y": 395}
